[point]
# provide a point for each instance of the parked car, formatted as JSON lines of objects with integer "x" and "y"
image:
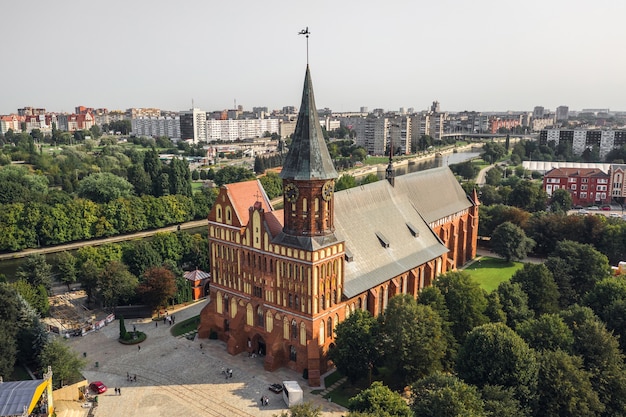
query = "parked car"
{"x": 593, "y": 208}
{"x": 606, "y": 208}
{"x": 98, "y": 387}
{"x": 615, "y": 215}
{"x": 583, "y": 211}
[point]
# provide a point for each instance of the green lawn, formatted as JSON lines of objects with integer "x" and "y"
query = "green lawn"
{"x": 185, "y": 326}
{"x": 490, "y": 272}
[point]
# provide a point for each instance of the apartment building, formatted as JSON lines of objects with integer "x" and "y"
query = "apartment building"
{"x": 582, "y": 139}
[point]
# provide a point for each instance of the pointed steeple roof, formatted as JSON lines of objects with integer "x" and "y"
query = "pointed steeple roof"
{"x": 308, "y": 157}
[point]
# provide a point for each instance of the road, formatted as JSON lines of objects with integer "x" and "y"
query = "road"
{"x": 96, "y": 242}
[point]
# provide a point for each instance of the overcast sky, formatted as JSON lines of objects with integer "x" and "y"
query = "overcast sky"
{"x": 484, "y": 55}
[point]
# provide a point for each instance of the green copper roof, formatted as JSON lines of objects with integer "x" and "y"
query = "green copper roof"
{"x": 308, "y": 157}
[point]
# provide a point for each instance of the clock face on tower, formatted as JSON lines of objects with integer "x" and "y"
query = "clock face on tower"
{"x": 327, "y": 190}
{"x": 291, "y": 192}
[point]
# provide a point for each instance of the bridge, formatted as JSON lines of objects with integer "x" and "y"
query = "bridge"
{"x": 463, "y": 135}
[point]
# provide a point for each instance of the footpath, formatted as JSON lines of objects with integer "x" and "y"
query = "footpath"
{"x": 96, "y": 242}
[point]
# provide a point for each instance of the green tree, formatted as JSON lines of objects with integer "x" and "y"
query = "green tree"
{"x": 104, "y": 187}
{"x": 140, "y": 179}
{"x": 564, "y": 387}
{"x": 66, "y": 365}
{"x": 36, "y": 270}
{"x": 548, "y": 332}
{"x": 344, "y": 182}
{"x": 607, "y": 299}
{"x": 9, "y": 311}
{"x": 442, "y": 395}
{"x": 576, "y": 268}
{"x": 355, "y": 350}
{"x": 510, "y": 242}
{"x": 272, "y": 184}
{"x": 141, "y": 255}
{"x": 538, "y": 283}
{"x": 66, "y": 265}
{"x": 123, "y": 331}
{"x": 116, "y": 285}
{"x": 528, "y": 196}
{"x": 494, "y": 354}
{"x": 157, "y": 286}
{"x": 465, "y": 300}
{"x": 601, "y": 355}
{"x": 36, "y": 297}
{"x": 231, "y": 174}
{"x": 380, "y": 401}
{"x": 514, "y": 303}
{"x": 560, "y": 201}
{"x": 413, "y": 341}
{"x": 500, "y": 402}
{"x": 302, "y": 410}
{"x": 432, "y": 297}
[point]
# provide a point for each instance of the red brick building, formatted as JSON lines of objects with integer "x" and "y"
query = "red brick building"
{"x": 283, "y": 279}
{"x": 587, "y": 186}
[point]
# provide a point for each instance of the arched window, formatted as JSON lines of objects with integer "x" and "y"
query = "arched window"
{"x": 294, "y": 329}
{"x": 303, "y": 334}
{"x": 290, "y": 300}
{"x": 297, "y": 303}
{"x": 322, "y": 330}
{"x": 259, "y": 316}
{"x": 329, "y": 330}
{"x": 335, "y": 301}
{"x": 225, "y": 300}
{"x": 323, "y": 304}
{"x": 293, "y": 353}
{"x": 285, "y": 328}
{"x": 249, "y": 315}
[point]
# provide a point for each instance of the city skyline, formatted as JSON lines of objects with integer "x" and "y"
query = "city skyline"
{"x": 468, "y": 56}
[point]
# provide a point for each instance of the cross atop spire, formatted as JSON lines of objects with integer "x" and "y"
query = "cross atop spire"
{"x": 307, "y": 33}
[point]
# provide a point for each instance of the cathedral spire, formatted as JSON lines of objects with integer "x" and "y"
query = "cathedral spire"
{"x": 308, "y": 157}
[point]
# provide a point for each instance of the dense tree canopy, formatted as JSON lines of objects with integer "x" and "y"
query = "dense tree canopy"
{"x": 104, "y": 187}
{"x": 355, "y": 350}
{"x": 493, "y": 354}
{"x": 413, "y": 340}
{"x": 465, "y": 300}
{"x": 510, "y": 242}
{"x": 379, "y": 400}
{"x": 441, "y": 395}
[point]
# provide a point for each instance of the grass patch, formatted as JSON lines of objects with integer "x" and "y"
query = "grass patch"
{"x": 490, "y": 272}
{"x": 332, "y": 378}
{"x": 186, "y": 326}
{"x": 136, "y": 339}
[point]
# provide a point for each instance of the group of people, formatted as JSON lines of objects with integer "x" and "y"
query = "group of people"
{"x": 265, "y": 400}
{"x": 118, "y": 391}
{"x": 131, "y": 378}
{"x": 228, "y": 373}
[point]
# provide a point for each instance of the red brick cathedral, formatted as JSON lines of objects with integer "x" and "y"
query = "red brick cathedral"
{"x": 283, "y": 279}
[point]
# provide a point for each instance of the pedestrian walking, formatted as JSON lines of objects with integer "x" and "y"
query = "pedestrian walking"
{"x": 127, "y": 376}
{"x": 119, "y": 391}
{"x": 138, "y": 347}
{"x": 200, "y": 346}
{"x": 156, "y": 323}
{"x": 135, "y": 378}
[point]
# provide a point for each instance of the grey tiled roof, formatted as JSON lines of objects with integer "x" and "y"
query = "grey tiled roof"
{"x": 435, "y": 193}
{"x": 378, "y": 223}
{"x": 308, "y": 157}
{"x": 14, "y": 396}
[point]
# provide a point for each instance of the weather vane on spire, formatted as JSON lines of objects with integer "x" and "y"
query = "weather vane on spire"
{"x": 307, "y": 33}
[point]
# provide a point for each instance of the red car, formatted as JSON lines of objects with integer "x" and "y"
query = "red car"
{"x": 98, "y": 387}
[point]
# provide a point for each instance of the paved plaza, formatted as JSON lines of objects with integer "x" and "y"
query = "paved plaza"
{"x": 178, "y": 377}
